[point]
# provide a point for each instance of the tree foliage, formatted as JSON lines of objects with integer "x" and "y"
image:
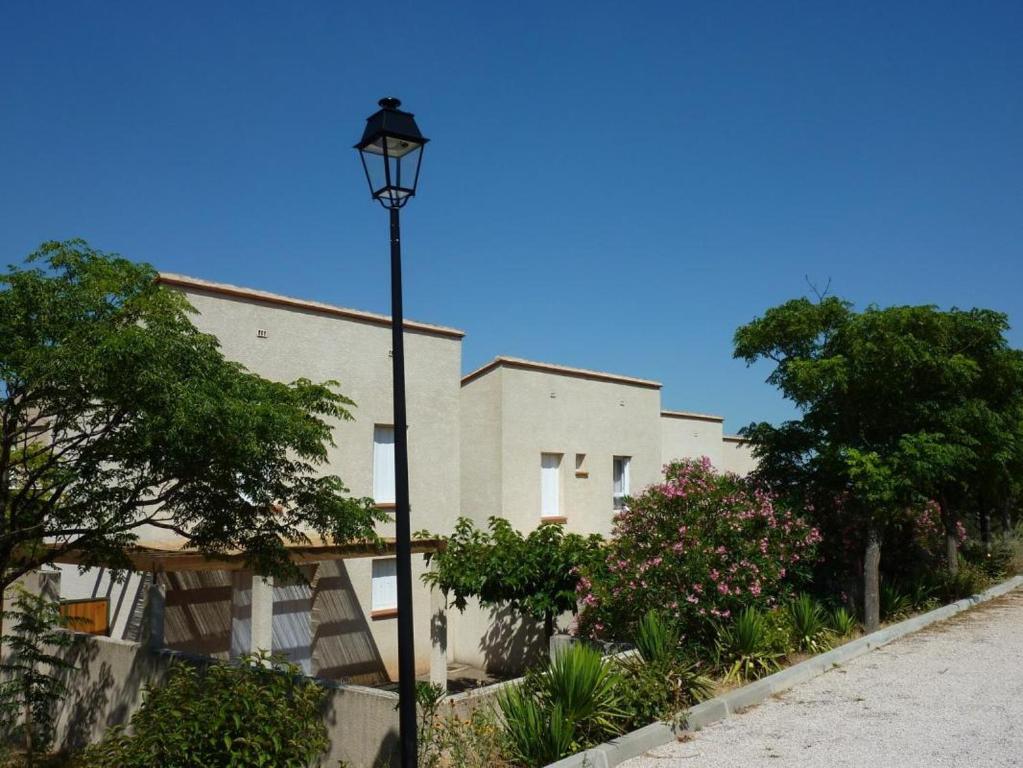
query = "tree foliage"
{"x": 32, "y": 674}
{"x": 897, "y": 406}
{"x": 117, "y": 413}
{"x": 535, "y": 574}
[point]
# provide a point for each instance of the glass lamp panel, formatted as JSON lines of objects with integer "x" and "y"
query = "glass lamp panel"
{"x": 395, "y": 147}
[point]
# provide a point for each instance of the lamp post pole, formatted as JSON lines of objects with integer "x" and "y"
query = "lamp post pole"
{"x": 403, "y": 530}
{"x": 391, "y": 150}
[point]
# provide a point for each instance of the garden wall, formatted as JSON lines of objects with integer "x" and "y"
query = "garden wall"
{"x": 107, "y": 688}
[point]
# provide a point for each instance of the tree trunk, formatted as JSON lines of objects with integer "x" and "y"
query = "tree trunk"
{"x": 1007, "y": 517}
{"x": 548, "y": 626}
{"x": 872, "y": 582}
{"x": 985, "y": 527}
{"x": 951, "y": 542}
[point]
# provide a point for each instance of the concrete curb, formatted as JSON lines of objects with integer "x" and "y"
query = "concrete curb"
{"x": 638, "y": 742}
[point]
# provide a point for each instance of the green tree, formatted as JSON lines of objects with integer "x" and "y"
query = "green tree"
{"x": 897, "y": 406}
{"x": 536, "y": 574}
{"x": 117, "y": 413}
{"x": 33, "y": 672}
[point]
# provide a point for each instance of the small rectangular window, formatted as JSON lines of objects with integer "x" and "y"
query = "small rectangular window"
{"x": 383, "y": 464}
{"x": 550, "y": 485}
{"x": 620, "y": 472}
{"x": 385, "y": 585}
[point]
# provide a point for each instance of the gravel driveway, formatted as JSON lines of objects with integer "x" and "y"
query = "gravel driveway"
{"x": 950, "y": 695}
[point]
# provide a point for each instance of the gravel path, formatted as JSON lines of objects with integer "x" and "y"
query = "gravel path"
{"x": 950, "y": 695}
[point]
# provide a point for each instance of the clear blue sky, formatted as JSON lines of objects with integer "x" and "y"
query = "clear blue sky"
{"x": 610, "y": 185}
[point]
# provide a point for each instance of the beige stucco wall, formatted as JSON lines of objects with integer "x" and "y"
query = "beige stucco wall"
{"x": 691, "y": 437}
{"x": 302, "y": 342}
{"x": 546, "y": 412}
{"x": 481, "y": 435}
{"x": 737, "y": 456}
{"x": 316, "y": 346}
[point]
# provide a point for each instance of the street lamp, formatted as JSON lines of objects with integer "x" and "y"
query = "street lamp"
{"x": 392, "y": 150}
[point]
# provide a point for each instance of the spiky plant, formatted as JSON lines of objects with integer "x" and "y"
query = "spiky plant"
{"x": 809, "y": 630}
{"x": 843, "y": 623}
{"x": 744, "y": 649}
{"x": 656, "y": 639}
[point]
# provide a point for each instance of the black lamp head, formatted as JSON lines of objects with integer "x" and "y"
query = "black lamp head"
{"x": 392, "y": 151}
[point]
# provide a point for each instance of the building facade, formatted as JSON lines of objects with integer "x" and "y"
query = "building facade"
{"x": 530, "y": 442}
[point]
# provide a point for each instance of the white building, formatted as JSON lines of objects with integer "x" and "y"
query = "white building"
{"x": 527, "y": 441}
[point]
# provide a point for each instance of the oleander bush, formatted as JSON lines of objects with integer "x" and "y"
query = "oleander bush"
{"x": 700, "y": 547}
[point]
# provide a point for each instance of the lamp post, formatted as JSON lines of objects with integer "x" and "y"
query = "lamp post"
{"x": 392, "y": 151}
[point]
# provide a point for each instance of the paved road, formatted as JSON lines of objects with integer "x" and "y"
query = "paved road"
{"x": 951, "y": 695}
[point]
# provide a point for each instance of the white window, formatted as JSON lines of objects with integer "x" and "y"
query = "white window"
{"x": 550, "y": 485}
{"x": 383, "y": 464}
{"x": 385, "y": 584}
{"x": 621, "y": 480}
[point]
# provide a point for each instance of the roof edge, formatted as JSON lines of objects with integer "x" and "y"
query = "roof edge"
{"x": 692, "y": 415}
{"x": 253, "y": 294}
{"x": 735, "y": 439}
{"x": 560, "y": 370}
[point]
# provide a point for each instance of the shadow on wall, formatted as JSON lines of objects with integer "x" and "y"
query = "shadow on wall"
{"x": 512, "y": 643}
{"x": 105, "y": 687}
{"x": 198, "y": 613}
{"x": 343, "y": 645}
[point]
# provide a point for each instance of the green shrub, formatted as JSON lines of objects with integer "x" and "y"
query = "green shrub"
{"x": 748, "y": 648}
{"x": 807, "y": 620}
{"x": 449, "y": 741}
{"x": 968, "y": 580}
{"x": 895, "y": 603}
{"x": 995, "y": 562}
{"x": 842, "y": 622}
{"x": 660, "y": 690}
{"x": 258, "y": 712}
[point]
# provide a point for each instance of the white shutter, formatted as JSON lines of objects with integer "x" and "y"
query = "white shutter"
{"x": 385, "y": 584}
{"x": 550, "y": 465}
{"x": 383, "y": 464}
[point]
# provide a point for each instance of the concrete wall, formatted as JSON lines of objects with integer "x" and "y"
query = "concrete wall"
{"x": 737, "y": 456}
{"x": 519, "y": 413}
{"x": 303, "y": 343}
{"x": 125, "y": 593}
{"x": 481, "y": 442}
{"x": 110, "y": 676}
{"x": 688, "y": 436}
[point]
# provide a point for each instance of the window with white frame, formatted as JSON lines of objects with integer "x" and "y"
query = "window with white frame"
{"x": 383, "y": 464}
{"x": 620, "y": 473}
{"x": 550, "y": 485}
{"x": 385, "y": 584}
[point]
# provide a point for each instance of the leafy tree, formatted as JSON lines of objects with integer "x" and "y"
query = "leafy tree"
{"x": 117, "y": 414}
{"x": 258, "y": 712}
{"x": 898, "y": 406}
{"x": 33, "y": 673}
{"x": 536, "y": 574}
